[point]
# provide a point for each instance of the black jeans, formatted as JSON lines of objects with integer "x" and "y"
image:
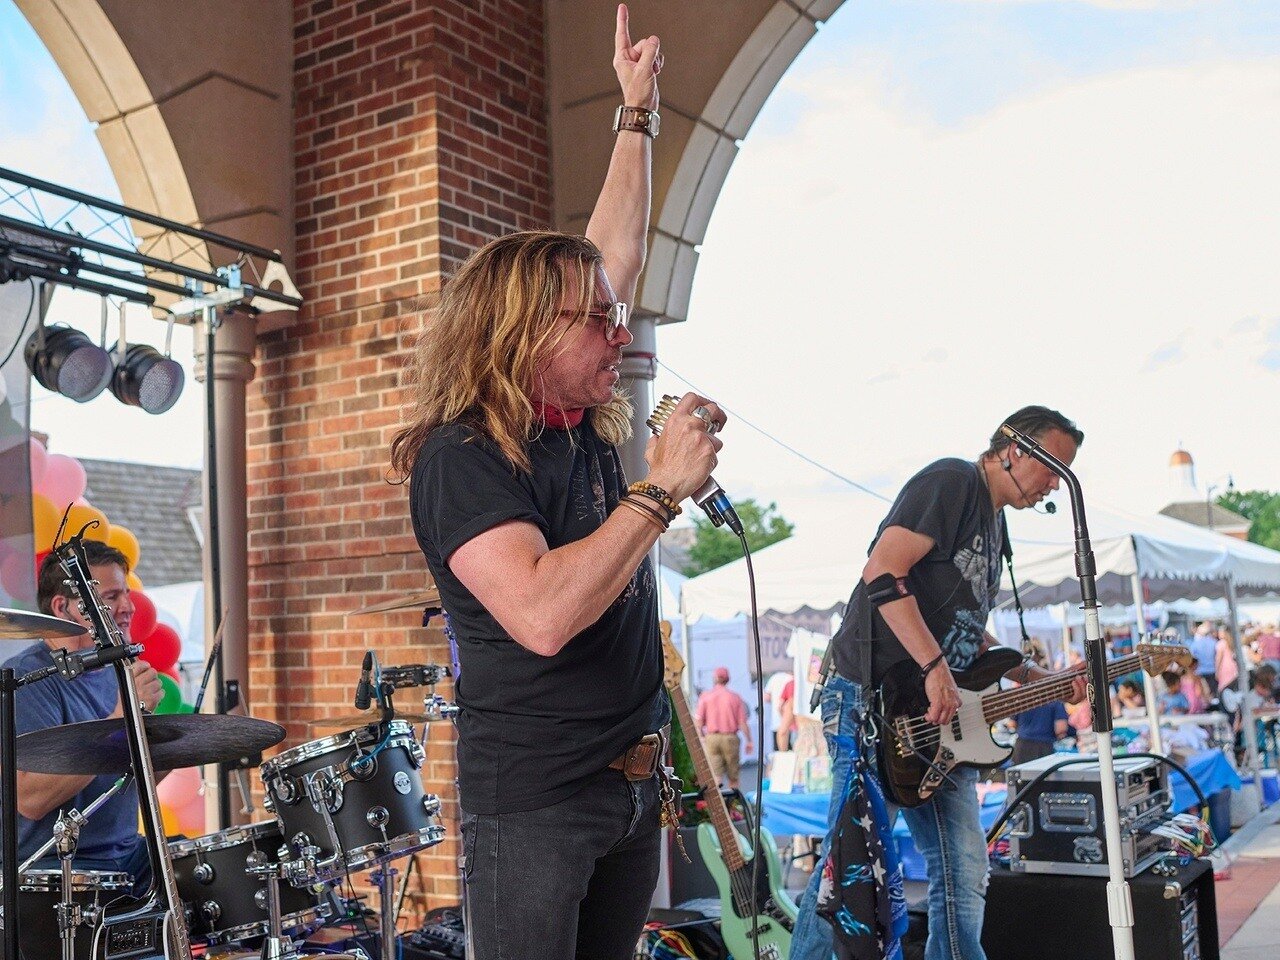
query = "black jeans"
{"x": 572, "y": 880}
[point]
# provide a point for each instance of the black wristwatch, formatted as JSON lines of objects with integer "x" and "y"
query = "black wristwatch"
{"x": 638, "y": 119}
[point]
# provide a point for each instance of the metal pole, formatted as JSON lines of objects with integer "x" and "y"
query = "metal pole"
{"x": 1247, "y": 723}
{"x": 9, "y": 804}
{"x": 1119, "y": 899}
{"x": 1148, "y": 682}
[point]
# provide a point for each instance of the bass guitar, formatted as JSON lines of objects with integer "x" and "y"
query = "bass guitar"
{"x": 763, "y": 908}
{"x": 157, "y": 926}
{"x": 915, "y": 756}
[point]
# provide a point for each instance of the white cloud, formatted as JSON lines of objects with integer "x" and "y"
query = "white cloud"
{"x": 1050, "y": 247}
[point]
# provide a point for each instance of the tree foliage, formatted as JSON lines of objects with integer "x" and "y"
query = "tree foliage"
{"x": 1261, "y": 508}
{"x": 715, "y": 546}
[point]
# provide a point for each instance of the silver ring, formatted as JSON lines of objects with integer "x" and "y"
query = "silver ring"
{"x": 703, "y": 414}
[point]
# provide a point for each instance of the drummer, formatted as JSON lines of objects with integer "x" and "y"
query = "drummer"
{"x": 110, "y": 841}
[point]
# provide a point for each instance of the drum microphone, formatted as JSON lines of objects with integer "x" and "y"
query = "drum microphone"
{"x": 710, "y": 497}
{"x": 364, "y": 689}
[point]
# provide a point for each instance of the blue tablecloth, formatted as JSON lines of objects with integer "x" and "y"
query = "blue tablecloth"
{"x": 806, "y": 813}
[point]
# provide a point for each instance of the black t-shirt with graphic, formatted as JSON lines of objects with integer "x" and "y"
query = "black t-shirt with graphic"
{"x": 954, "y": 583}
{"x": 533, "y": 728}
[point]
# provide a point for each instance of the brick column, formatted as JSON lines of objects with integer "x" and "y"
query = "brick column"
{"x": 419, "y": 135}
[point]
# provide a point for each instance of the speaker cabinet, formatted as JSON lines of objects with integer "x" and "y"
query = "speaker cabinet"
{"x": 1065, "y": 917}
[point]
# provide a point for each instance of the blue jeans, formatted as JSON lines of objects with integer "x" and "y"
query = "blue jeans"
{"x": 841, "y": 705}
{"x": 572, "y": 880}
{"x": 946, "y": 831}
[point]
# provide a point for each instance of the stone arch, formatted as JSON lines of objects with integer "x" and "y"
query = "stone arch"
{"x": 191, "y": 105}
{"x": 718, "y": 81}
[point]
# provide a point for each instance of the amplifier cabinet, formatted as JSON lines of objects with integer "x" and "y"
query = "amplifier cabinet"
{"x": 1058, "y": 826}
{"x": 1065, "y": 917}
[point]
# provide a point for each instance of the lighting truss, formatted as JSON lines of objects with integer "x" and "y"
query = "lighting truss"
{"x": 60, "y": 235}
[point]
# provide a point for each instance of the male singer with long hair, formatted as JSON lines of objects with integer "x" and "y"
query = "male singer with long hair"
{"x": 931, "y": 575}
{"x": 540, "y": 551}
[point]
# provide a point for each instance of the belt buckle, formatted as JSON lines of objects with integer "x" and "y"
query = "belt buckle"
{"x": 641, "y": 759}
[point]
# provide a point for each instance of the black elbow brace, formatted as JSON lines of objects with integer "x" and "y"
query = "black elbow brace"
{"x": 887, "y": 588}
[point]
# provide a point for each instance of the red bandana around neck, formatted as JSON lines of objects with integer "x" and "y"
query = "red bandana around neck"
{"x": 559, "y": 419}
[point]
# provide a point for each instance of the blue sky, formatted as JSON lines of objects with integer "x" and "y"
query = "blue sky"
{"x": 947, "y": 210}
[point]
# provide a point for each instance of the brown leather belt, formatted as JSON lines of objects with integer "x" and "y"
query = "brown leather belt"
{"x": 641, "y": 760}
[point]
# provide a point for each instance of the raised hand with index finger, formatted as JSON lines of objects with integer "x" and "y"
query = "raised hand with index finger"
{"x": 637, "y": 64}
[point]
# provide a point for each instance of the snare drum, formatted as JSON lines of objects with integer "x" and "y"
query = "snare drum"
{"x": 38, "y": 896}
{"x": 356, "y": 796}
{"x": 224, "y": 904}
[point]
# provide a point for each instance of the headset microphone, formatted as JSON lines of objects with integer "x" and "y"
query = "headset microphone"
{"x": 1049, "y": 508}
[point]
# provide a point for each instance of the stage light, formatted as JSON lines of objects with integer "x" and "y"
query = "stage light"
{"x": 64, "y": 360}
{"x": 144, "y": 377}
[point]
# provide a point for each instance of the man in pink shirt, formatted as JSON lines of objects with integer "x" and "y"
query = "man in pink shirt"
{"x": 721, "y": 714}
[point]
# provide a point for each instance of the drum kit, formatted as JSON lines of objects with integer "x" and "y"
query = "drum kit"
{"x": 345, "y": 802}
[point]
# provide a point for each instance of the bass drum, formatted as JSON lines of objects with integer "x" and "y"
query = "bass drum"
{"x": 38, "y": 898}
{"x": 223, "y": 903}
{"x": 356, "y": 796}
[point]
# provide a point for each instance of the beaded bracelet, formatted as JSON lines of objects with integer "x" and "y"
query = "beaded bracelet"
{"x": 649, "y": 515}
{"x": 655, "y": 492}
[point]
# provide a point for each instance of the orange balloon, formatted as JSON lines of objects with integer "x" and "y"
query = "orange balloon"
{"x": 123, "y": 540}
{"x": 45, "y": 518}
{"x": 133, "y": 582}
{"x": 83, "y": 512}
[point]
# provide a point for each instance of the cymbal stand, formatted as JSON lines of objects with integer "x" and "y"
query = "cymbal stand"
{"x": 66, "y": 836}
{"x": 384, "y": 878}
{"x": 276, "y": 945}
{"x": 89, "y": 811}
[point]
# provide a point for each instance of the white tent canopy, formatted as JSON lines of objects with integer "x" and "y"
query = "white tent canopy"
{"x": 819, "y": 565}
{"x": 1175, "y": 560}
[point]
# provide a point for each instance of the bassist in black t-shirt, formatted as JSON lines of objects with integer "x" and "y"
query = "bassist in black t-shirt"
{"x": 932, "y": 573}
{"x": 540, "y": 550}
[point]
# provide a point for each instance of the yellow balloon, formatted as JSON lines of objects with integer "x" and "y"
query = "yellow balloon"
{"x": 81, "y": 513}
{"x": 45, "y": 518}
{"x": 132, "y": 580}
{"x": 168, "y": 817}
{"x": 123, "y": 540}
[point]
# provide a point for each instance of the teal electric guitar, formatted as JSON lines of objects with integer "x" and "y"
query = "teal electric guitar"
{"x": 728, "y": 855}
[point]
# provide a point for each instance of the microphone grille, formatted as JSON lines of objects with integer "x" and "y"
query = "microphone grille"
{"x": 662, "y": 413}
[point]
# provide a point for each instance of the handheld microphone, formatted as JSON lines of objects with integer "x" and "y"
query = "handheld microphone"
{"x": 364, "y": 689}
{"x": 710, "y": 496}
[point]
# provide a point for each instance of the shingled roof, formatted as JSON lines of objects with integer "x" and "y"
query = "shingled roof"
{"x": 1198, "y": 512}
{"x": 153, "y": 503}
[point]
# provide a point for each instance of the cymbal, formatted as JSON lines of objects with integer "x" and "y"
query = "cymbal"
{"x": 370, "y": 716}
{"x": 176, "y": 740}
{"x": 21, "y": 625}
{"x": 416, "y": 601}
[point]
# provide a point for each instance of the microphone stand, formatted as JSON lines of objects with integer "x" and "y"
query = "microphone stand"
{"x": 1119, "y": 900}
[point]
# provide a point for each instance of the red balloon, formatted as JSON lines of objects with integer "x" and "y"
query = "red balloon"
{"x": 173, "y": 672}
{"x": 162, "y": 647}
{"x": 40, "y": 557}
{"x": 144, "y": 617}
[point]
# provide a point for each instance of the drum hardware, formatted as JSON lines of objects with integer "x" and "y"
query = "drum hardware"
{"x": 89, "y": 811}
{"x": 66, "y": 835}
{"x": 357, "y": 796}
{"x": 221, "y": 909}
